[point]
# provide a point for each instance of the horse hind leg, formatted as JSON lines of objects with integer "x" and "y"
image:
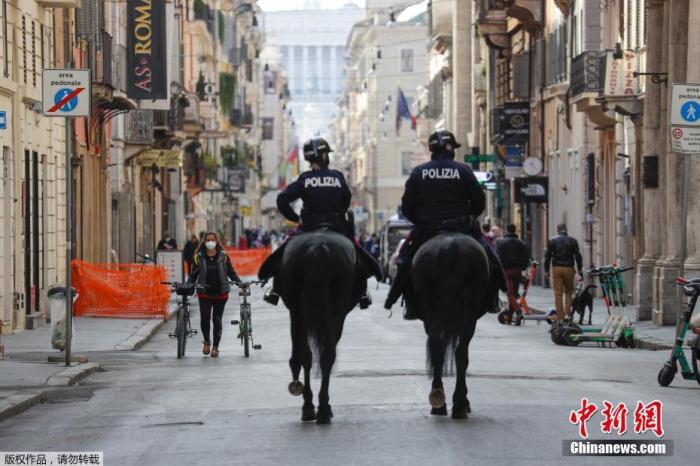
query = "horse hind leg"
{"x": 301, "y": 357}
{"x": 436, "y": 353}
{"x": 325, "y": 413}
{"x": 460, "y": 402}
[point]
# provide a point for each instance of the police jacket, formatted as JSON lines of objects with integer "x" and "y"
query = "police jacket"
{"x": 512, "y": 252}
{"x": 563, "y": 251}
{"x": 325, "y": 195}
{"x": 441, "y": 190}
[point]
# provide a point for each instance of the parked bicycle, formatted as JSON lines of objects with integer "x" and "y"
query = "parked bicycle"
{"x": 183, "y": 327}
{"x": 245, "y": 323}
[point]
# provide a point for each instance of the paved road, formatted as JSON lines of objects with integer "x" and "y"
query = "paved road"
{"x": 150, "y": 408}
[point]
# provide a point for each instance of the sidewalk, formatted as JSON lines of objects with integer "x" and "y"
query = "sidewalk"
{"x": 26, "y": 376}
{"x": 650, "y": 336}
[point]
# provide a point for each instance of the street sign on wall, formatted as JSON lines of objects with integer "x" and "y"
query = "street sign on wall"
{"x": 66, "y": 93}
{"x": 685, "y": 105}
{"x": 685, "y": 140}
{"x": 513, "y": 161}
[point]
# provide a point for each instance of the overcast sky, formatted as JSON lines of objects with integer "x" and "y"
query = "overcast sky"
{"x": 273, "y": 5}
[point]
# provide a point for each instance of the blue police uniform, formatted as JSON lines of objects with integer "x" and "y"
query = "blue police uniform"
{"x": 326, "y": 197}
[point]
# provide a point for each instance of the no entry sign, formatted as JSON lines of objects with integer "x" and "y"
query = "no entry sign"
{"x": 66, "y": 93}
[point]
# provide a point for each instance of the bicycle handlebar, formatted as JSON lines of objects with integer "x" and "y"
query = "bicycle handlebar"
{"x": 250, "y": 283}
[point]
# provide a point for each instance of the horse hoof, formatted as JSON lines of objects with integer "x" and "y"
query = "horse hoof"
{"x": 441, "y": 411}
{"x": 296, "y": 388}
{"x": 437, "y": 397}
{"x": 308, "y": 413}
{"x": 459, "y": 413}
{"x": 324, "y": 415}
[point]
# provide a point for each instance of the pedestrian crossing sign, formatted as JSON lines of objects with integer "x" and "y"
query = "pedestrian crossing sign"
{"x": 685, "y": 105}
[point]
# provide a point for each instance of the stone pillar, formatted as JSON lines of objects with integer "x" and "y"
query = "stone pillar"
{"x": 670, "y": 164}
{"x": 462, "y": 72}
{"x": 651, "y": 245}
{"x": 692, "y": 264}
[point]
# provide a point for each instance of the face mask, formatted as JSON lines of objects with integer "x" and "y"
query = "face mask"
{"x": 210, "y": 244}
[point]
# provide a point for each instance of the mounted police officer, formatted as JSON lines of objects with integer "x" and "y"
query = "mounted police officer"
{"x": 326, "y": 199}
{"x": 441, "y": 195}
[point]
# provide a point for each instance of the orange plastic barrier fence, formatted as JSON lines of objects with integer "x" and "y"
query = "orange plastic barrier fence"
{"x": 248, "y": 261}
{"x": 120, "y": 290}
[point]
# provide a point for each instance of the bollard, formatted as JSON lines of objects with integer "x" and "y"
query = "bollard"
{"x": 2, "y": 347}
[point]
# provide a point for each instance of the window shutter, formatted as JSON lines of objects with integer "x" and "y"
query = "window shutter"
{"x": 521, "y": 75}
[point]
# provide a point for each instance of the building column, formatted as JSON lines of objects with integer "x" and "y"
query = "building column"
{"x": 462, "y": 72}
{"x": 670, "y": 167}
{"x": 334, "y": 71}
{"x": 692, "y": 264}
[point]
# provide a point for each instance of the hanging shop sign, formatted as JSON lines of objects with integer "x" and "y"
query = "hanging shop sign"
{"x": 533, "y": 189}
{"x": 513, "y": 161}
{"x": 619, "y": 75}
{"x": 235, "y": 179}
{"x": 163, "y": 158}
{"x": 514, "y": 126}
{"x": 147, "y": 71}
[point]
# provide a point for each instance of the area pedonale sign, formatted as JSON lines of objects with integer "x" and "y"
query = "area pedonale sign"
{"x": 147, "y": 71}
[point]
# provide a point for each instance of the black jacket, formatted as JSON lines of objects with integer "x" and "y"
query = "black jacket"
{"x": 225, "y": 271}
{"x": 513, "y": 252}
{"x": 326, "y": 198}
{"x": 563, "y": 251}
{"x": 441, "y": 190}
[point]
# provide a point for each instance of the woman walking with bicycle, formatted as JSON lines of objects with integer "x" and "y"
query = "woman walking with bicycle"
{"x": 211, "y": 272}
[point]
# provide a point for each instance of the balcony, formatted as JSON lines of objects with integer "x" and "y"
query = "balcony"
{"x": 587, "y": 74}
{"x": 493, "y": 24}
{"x": 241, "y": 118}
{"x": 528, "y": 12}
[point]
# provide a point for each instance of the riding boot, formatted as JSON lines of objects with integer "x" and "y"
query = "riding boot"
{"x": 268, "y": 270}
{"x": 397, "y": 286}
{"x": 271, "y": 296}
{"x": 496, "y": 283}
{"x": 365, "y": 298}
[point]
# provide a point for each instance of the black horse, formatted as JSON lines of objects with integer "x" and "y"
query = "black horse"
{"x": 319, "y": 284}
{"x": 450, "y": 277}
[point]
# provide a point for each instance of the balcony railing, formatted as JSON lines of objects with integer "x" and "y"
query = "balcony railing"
{"x": 587, "y": 73}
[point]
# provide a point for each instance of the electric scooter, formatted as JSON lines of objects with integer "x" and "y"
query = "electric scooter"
{"x": 617, "y": 328}
{"x": 524, "y": 312}
{"x": 691, "y": 288}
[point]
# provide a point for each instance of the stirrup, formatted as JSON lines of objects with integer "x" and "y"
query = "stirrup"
{"x": 271, "y": 297}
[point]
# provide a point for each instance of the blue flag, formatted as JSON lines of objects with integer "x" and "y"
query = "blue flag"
{"x": 403, "y": 111}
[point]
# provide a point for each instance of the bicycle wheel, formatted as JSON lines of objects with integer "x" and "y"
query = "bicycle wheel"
{"x": 245, "y": 322}
{"x": 181, "y": 332}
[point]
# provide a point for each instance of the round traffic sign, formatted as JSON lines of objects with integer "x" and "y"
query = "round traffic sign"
{"x": 690, "y": 111}
{"x": 677, "y": 133}
{"x": 69, "y": 105}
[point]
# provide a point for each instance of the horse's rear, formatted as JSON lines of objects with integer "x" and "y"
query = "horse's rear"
{"x": 319, "y": 286}
{"x": 450, "y": 278}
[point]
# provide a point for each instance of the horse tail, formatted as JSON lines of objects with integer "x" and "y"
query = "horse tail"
{"x": 452, "y": 299}
{"x": 316, "y": 297}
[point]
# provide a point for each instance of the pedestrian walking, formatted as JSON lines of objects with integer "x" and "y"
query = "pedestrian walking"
{"x": 167, "y": 243}
{"x": 563, "y": 254}
{"x": 515, "y": 258}
{"x": 211, "y": 272}
{"x": 188, "y": 252}
{"x": 487, "y": 237}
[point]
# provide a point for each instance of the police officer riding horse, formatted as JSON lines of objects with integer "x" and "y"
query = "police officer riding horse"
{"x": 326, "y": 199}
{"x": 441, "y": 195}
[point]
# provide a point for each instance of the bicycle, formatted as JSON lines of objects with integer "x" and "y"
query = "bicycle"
{"x": 183, "y": 327}
{"x": 245, "y": 324}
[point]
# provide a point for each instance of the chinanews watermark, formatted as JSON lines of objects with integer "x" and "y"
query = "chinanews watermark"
{"x": 646, "y": 418}
{"x": 48, "y": 458}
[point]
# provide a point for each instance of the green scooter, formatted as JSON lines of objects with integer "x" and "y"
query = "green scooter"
{"x": 691, "y": 288}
